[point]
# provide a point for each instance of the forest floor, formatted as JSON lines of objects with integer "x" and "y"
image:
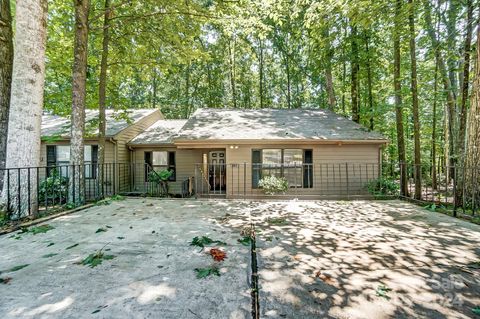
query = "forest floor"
{"x": 331, "y": 259}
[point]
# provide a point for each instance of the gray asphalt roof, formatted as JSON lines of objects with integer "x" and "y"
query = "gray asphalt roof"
{"x": 55, "y": 125}
{"x": 162, "y": 132}
{"x": 272, "y": 124}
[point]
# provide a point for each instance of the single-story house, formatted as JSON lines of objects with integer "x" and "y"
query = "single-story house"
{"x": 226, "y": 152}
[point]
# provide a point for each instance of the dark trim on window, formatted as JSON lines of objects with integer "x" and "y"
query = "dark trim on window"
{"x": 307, "y": 166}
{"x": 171, "y": 164}
{"x": 51, "y": 158}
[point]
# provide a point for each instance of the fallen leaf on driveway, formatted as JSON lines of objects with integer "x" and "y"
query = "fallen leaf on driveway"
{"x": 382, "y": 291}
{"x": 5, "y": 280}
{"x": 324, "y": 277}
{"x": 217, "y": 254}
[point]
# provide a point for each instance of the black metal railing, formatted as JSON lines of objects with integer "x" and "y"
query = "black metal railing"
{"x": 35, "y": 191}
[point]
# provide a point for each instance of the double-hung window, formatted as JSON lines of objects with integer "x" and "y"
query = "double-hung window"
{"x": 58, "y": 157}
{"x": 295, "y": 165}
{"x": 160, "y": 161}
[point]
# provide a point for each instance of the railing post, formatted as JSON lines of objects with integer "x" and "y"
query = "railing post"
{"x": 346, "y": 177}
{"x": 244, "y": 180}
{"x": 29, "y": 189}
{"x": 19, "y": 191}
{"x": 454, "y": 191}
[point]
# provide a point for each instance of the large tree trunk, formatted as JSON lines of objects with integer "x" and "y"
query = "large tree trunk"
{"x": 6, "y": 56}
{"x": 414, "y": 88}
{"x": 398, "y": 98}
{"x": 102, "y": 90}
{"x": 355, "y": 67}
{"x": 26, "y": 103}
{"x": 77, "y": 181}
{"x": 472, "y": 155}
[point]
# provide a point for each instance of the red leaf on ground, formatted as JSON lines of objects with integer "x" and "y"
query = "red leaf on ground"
{"x": 217, "y": 254}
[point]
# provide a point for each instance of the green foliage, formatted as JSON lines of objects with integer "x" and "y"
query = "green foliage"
{"x": 101, "y": 230}
{"x": 72, "y": 246}
{"x": 159, "y": 177}
{"x": 277, "y": 221}
{"x": 93, "y": 260}
{"x": 205, "y": 241}
{"x": 383, "y": 187}
{"x": 35, "y": 230}
{"x": 54, "y": 189}
{"x": 245, "y": 240}
{"x": 205, "y": 272}
{"x": 382, "y": 291}
{"x": 273, "y": 185}
{"x": 49, "y": 255}
{"x": 17, "y": 268}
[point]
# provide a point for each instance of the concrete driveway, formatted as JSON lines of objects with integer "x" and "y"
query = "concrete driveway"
{"x": 323, "y": 259}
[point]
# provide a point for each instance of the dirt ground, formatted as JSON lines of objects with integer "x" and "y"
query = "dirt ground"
{"x": 316, "y": 259}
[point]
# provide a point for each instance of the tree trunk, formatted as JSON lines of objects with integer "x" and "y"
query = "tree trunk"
{"x": 102, "y": 88}
{"x": 77, "y": 181}
{"x": 232, "y": 73}
{"x": 6, "y": 56}
{"x": 287, "y": 70}
{"x": 414, "y": 88}
{"x": 434, "y": 128}
{"x": 332, "y": 101}
{"x": 26, "y": 103}
{"x": 354, "y": 75}
{"x": 369, "y": 81}
{"x": 398, "y": 98}
{"x": 465, "y": 83}
{"x": 472, "y": 155}
{"x": 451, "y": 102}
{"x": 261, "y": 85}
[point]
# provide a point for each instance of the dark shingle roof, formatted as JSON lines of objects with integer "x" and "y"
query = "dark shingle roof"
{"x": 55, "y": 125}
{"x": 272, "y": 124}
{"x": 161, "y": 132}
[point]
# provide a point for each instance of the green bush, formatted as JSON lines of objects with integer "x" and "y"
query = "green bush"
{"x": 160, "y": 176}
{"x": 54, "y": 189}
{"x": 272, "y": 185}
{"x": 383, "y": 187}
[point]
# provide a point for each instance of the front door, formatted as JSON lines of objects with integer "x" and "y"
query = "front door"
{"x": 217, "y": 171}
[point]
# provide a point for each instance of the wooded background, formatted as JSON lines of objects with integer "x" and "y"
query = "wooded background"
{"x": 401, "y": 67}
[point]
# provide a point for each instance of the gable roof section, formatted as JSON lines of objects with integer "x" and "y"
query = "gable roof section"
{"x": 273, "y": 124}
{"x": 160, "y": 133}
{"x": 117, "y": 121}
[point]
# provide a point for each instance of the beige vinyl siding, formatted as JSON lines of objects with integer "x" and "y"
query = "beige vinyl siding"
{"x": 185, "y": 160}
{"x": 333, "y": 166}
{"x": 125, "y": 136}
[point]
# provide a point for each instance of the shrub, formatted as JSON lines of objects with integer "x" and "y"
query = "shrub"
{"x": 272, "y": 185}
{"x": 383, "y": 187}
{"x": 54, "y": 189}
{"x": 161, "y": 179}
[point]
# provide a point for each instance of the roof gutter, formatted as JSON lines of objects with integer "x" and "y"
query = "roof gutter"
{"x": 277, "y": 141}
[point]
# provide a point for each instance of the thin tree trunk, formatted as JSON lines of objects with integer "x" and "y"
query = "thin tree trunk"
{"x": 287, "y": 70}
{"x": 414, "y": 88}
{"x": 232, "y": 73}
{"x": 187, "y": 92}
{"x": 26, "y": 103}
{"x": 465, "y": 83}
{"x": 261, "y": 85}
{"x": 354, "y": 75}
{"x": 434, "y": 128}
{"x": 369, "y": 81}
{"x": 102, "y": 88}
{"x": 398, "y": 99}
{"x": 154, "y": 88}
{"x": 451, "y": 102}
{"x": 77, "y": 183}
{"x": 6, "y": 56}
{"x": 332, "y": 101}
